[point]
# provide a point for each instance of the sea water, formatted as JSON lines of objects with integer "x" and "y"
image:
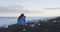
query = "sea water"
{"x": 5, "y": 21}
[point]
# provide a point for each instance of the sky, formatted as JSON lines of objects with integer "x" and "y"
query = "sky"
{"x": 31, "y": 8}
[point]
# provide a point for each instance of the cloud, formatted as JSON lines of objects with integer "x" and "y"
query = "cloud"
{"x": 16, "y": 9}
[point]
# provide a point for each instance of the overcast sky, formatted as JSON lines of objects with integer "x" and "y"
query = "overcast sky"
{"x": 13, "y": 8}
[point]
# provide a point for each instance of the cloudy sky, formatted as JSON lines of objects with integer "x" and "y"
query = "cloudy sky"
{"x": 31, "y": 8}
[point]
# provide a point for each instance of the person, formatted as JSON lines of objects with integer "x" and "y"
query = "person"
{"x": 21, "y": 19}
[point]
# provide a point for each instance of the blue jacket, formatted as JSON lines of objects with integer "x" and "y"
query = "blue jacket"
{"x": 21, "y": 20}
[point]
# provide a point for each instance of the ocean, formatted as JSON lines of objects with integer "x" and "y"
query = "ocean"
{"x": 5, "y": 21}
